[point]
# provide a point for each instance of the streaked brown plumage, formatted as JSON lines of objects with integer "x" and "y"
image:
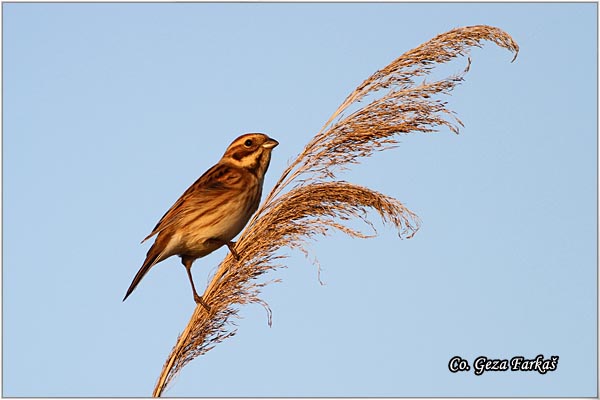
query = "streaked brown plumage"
{"x": 211, "y": 212}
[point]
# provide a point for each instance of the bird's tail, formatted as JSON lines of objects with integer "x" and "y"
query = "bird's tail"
{"x": 153, "y": 256}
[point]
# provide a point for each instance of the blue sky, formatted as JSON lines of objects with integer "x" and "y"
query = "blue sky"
{"x": 110, "y": 111}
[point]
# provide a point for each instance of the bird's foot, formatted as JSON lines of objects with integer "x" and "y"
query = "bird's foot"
{"x": 234, "y": 253}
{"x": 200, "y": 300}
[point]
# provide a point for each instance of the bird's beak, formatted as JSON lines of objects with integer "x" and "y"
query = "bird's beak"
{"x": 270, "y": 143}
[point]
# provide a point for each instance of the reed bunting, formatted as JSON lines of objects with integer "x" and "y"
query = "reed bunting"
{"x": 211, "y": 212}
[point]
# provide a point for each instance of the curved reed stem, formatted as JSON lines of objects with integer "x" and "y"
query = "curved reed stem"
{"x": 307, "y": 200}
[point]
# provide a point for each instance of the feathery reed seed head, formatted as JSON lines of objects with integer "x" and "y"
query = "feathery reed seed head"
{"x": 307, "y": 200}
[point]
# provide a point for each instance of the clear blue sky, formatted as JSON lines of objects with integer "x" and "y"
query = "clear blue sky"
{"x": 110, "y": 111}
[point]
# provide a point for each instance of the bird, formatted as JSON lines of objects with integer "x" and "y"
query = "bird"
{"x": 213, "y": 210}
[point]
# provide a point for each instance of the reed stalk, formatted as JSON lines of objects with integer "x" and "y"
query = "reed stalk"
{"x": 308, "y": 200}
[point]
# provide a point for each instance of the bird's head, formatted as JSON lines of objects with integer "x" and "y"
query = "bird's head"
{"x": 251, "y": 151}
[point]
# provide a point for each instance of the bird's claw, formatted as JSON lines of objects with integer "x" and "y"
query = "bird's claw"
{"x": 234, "y": 253}
{"x": 200, "y": 300}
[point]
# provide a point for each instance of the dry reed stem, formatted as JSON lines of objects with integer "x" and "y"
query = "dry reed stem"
{"x": 314, "y": 202}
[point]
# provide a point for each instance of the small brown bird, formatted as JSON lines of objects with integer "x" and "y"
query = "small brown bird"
{"x": 211, "y": 212}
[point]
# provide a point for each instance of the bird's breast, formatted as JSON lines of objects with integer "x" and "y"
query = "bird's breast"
{"x": 224, "y": 222}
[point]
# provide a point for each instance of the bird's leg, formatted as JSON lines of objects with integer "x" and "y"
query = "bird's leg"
{"x": 187, "y": 263}
{"x": 234, "y": 253}
{"x": 229, "y": 244}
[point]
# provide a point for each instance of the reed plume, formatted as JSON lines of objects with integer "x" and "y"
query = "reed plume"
{"x": 308, "y": 200}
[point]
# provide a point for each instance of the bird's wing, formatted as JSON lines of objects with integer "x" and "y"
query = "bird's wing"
{"x": 214, "y": 182}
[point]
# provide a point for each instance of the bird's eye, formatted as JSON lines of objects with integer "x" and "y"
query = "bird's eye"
{"x": 248, "y": 142}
